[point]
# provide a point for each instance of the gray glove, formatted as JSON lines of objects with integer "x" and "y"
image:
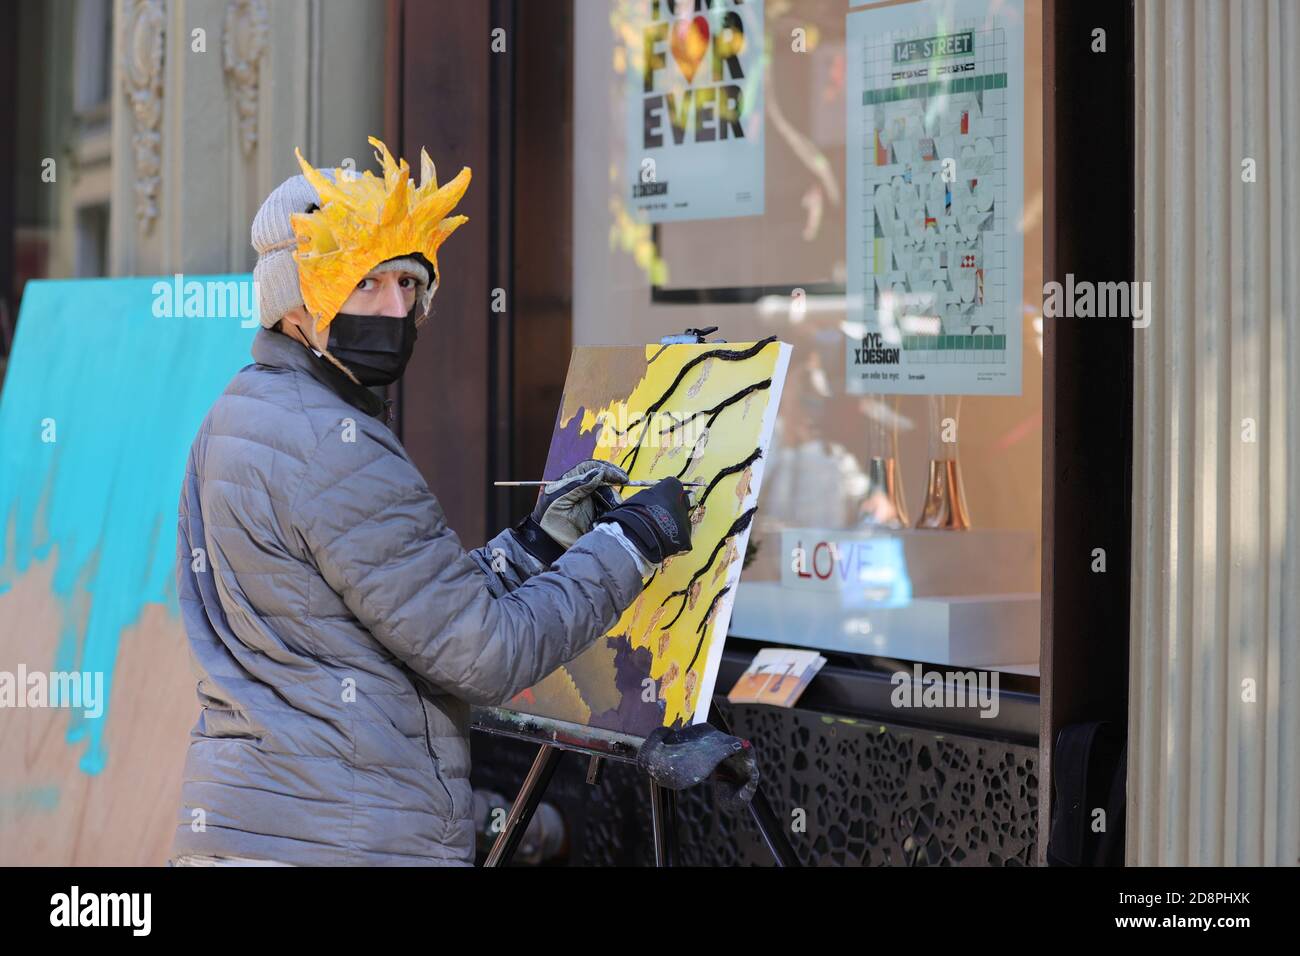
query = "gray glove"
{"x": 567, "y": 507}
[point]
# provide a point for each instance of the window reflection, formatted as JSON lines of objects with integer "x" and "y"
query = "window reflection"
{"x": 840, "y": 462}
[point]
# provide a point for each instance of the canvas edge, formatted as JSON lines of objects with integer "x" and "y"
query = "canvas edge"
{"x": 723, "y": 619}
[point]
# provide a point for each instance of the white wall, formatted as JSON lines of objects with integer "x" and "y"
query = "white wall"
{"x": 1216, "y": 532}
{"x": 319, "y": 85}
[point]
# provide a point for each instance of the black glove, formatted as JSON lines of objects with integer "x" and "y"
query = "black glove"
{"x": 567, "y": 507}
{"x": 656, "y": 520}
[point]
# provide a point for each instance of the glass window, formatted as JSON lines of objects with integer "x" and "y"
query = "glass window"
{"x": 713, "y": 149}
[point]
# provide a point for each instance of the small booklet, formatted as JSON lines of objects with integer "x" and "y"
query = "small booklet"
{"x": 776, "y": 676}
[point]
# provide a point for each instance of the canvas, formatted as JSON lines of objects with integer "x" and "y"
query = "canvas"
{"x": 703, "y": 413}
{"x": 107, "y": 384}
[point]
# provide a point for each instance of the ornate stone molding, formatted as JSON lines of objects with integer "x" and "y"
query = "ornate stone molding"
{"x": 142, "y": 65}
{"x": 245, "y": 41}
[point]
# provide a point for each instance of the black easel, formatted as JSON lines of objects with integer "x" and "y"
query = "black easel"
{"x": 557, "y": 737}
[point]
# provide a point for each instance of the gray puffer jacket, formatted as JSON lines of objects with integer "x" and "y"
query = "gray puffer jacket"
{"x": 339, "y": 631}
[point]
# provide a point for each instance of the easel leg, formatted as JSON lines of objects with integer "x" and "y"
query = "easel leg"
{"x": 663, "y": 821}
{"x": 769, "y": 825}
{"x": 772, "y": 831}
{"x": 521, "y": 811}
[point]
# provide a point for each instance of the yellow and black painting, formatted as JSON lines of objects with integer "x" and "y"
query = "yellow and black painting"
{"x": 705, "y": 414}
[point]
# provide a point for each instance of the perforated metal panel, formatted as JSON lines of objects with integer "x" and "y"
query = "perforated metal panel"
{"x": 871, "y": 794}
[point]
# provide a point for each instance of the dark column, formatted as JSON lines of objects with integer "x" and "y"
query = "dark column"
{"x": 444, "y": 94}
{"x": 542, "y": 275}
{"x": 479, "y": 400}
{"x": 9, "y": 99}
{"x": 1088, "y": 173}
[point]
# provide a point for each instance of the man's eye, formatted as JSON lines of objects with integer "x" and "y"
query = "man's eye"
{"x": 408, "y": 282}
{"x": 363, "y": 284}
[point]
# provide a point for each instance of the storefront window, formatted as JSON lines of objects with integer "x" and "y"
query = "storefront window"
{"x": 865, "y": 183}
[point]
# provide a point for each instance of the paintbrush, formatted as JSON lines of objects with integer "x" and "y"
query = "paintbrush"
{"x": 616, "y": 484}
{"x": 624, "y": 484}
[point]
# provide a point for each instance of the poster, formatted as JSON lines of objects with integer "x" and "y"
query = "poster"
{"x": 935, "y": 100}
{"x": 694, "y": 109}
{"x": 704, "y": 413}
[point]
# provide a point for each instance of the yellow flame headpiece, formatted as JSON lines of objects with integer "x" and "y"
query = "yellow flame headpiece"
{"x": 364, "y": 220}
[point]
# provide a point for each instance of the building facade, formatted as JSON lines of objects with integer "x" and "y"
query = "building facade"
{"x": 1100, "y": 513}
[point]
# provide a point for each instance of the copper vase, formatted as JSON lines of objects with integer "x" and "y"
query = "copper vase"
{"x": 945, "y": 500}
{"x": 883, "y": 506}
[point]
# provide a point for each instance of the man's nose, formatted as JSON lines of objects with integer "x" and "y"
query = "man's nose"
{"x": 393, "y": 300}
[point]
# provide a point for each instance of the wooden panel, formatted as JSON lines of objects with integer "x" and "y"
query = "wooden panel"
{"x": 542, "y": 268}
{"x": 444, "y": 393}
{"x": 493, "y": 396}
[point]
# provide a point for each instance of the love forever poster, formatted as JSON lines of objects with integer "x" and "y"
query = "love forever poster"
{"x": 694, "y": 109}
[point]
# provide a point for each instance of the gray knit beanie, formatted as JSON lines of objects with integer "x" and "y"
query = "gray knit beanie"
{"x": 276, "y": 272}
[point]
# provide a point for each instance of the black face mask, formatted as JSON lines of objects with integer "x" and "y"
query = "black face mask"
{"x": 375, "y": 347}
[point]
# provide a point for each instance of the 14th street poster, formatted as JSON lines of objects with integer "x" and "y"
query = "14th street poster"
{"x": 935, "y": 182}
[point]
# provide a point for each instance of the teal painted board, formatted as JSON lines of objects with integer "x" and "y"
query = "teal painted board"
{"x": 105, "y": 390}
